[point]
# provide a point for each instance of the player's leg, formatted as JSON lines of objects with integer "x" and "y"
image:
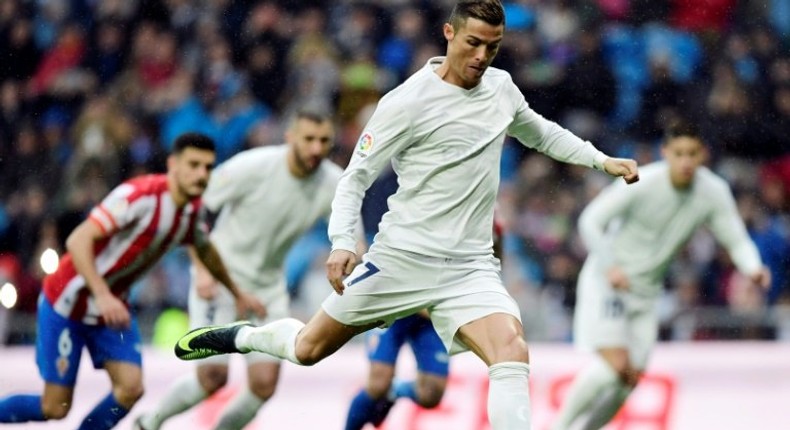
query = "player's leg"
{"x": 629, "y": 364}
{"x": 262, "y": 376}
{"x": 432, "y": 367}
{"x": 209, "y": 376}
{"x": 498, "y": 339}
{"x": 601, "y": 326}
{"x": 371, "y": 404}
{"x": 59, "y": 343}
{"x": 118, "y": 352}
{"x": 363, "y": 306}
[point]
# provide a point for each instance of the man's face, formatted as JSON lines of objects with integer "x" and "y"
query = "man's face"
{"x": 471, "y": 49}
{"x": 310, "y": 142}
{"x": 683, "y": 154}
{"x": 191, "y": 170}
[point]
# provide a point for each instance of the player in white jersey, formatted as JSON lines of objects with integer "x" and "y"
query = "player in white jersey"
{"x": 84, "y": 303}
{"x": 632, "y": 235}
{"x": 267, "y": 198}
{"x": 443, "y": 131}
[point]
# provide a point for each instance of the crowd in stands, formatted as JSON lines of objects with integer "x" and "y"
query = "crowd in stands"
{"x": 94, "y": 92}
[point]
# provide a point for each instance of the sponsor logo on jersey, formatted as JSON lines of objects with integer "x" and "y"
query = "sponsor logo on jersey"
{"x": 365, "y": 144}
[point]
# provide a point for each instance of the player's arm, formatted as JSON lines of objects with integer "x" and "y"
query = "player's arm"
{"x": 387, "y": 133}
{"x": 210, "y": 259}
{"x": 611, "y": 203}
{"x": 535, "y": 131}
{"x": 80, "y": 245}
{"x": 727, "y": 226}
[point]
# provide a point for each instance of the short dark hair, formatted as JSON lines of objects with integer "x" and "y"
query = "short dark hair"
{"x": 193, "y": 140}
{"x": 680, "y": 127}
{"x": 489, "y": 11}
{"x": 311, "y": 115}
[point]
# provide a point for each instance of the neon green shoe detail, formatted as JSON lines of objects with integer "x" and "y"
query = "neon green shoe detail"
{"x": 204, "y": 342}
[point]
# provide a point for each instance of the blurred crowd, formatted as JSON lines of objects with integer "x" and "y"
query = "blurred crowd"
{"x": 94, "y": 92}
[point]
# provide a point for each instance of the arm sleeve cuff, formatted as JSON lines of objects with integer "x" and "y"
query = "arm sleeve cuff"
{"x": 347, "y": 244}
{"x": 598, "y": 160}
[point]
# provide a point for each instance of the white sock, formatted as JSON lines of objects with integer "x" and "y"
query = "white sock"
{"x": 508, "y": 396}
{"x": 604, "y": 410}
{"x": 184, "y": 394}
{"x": 589, "y": 385}
{"x": 277, "y": 338}
{"x": 240, "y": 411}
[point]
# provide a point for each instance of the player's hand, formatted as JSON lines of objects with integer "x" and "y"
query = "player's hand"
{"x": 247, "y": 304}
{"x": 618, "y": 279}
{"x": 762, "y": 278}
{"x": 339, "y": 265}
{"x": 624, "y": 167}
{"x": 113, "y": 311}
{"x": 205, "y": 284}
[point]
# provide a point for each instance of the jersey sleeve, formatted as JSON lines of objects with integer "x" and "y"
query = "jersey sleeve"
{"x": 386, "y": 134}
{"x": 536, "y": 132}
{"x": 230, "y": 181}
{"x": 727, "y": 226}
{"x": 117, "y": 211}
{"x": 612, "y": 203}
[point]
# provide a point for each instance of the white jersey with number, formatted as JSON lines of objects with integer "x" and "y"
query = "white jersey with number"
{"x": 264, "y": 210}
{"x": 445, "y": 144}
{"x": 640, "y": 227}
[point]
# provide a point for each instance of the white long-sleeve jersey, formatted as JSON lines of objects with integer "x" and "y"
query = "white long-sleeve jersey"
{"x": 264, "y": 210}
{"x": 640, "y": 227}
{"x": 444, "y": 143}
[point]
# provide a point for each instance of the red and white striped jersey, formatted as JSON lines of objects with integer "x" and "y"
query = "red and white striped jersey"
{"x": 142, "y": 223}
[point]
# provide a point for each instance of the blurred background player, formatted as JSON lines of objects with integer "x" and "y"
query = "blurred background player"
{"x": 632, "y": 234}
{"x": 267, "y": 198}
{"x": 373, "y": 403}
{"x": 84, "y": 302}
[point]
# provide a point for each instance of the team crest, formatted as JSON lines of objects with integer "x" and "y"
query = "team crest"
{"x": 63, "y": 366}
{"x": 365, "y": 143}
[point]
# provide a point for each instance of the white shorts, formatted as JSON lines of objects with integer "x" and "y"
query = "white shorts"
{"x": 222, "y": 310}
{"x": 606, "y": 317}
{"x": 391, "y": 284}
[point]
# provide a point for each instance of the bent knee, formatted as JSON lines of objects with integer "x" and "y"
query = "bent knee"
{"x": 55, "y": 410}
{"x": 263, "y": 390}
{"x": 308, "y": 354}
{"x": 515, "y": 349}
{"x": 212, "y": 378}
{"x": 128, "y": 395}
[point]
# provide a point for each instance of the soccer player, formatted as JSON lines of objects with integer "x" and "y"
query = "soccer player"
{"x": 84, "y": 302}
{"x": 443, "y": 131}
{"x": 373, "y": 403}
{"x": 632, "y": 235}
{"x": 267, "y": 198}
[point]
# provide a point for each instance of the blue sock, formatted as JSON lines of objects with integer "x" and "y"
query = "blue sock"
{"x": 105, "y": 415}
{"x": 405, "y": 389}
{"x": 21, "y": 408}
{"x": 360, "y": 412}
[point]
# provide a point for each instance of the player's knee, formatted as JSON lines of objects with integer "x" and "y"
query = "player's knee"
{"x": 263, "y": 390}
{"x": 128, "y": 394}
{"x": 430, "y": 398}
{"x": 212, "y": 378}
{"x": 378, "y": 387}
{"x": 513, "y": 349}
{"x": 308, "y": 354}
{"x": 55, "y": 410}
{"x": 429, "y": 393}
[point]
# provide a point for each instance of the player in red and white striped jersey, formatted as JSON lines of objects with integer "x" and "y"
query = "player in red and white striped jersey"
{"x": 84, "y": 301}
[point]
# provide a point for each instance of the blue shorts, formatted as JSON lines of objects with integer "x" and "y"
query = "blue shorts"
{"x": 59, "y": 343}
{"x": 384, "y": 344}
